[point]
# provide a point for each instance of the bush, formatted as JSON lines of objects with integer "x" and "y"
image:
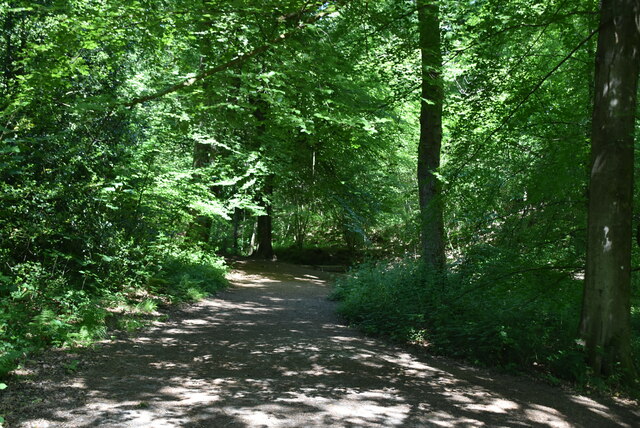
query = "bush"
{"x": 317, "y": 255}
{"x": 384, "y": 298}
{"x": 39, "y": 307}
{"x": 525, "y": 321}
{"x": 189, "y": 275}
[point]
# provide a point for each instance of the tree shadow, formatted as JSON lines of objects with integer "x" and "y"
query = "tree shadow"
{"x": 270, "y": 352}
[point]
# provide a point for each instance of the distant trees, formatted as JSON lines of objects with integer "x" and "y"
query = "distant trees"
{"x": 605, "y": 324}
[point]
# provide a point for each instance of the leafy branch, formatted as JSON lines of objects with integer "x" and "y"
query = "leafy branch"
{"x": 238, "y": 60}
{"x": 522, "y": 101}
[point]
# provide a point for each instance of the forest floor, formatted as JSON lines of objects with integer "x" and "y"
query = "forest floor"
{"x": 270, "y": 351}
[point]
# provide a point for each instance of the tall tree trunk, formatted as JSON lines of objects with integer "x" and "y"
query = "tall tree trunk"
{"x": 605, "y": 324}
{"x": 236, "y": 231}
{"x": 264, "y": 249}
{"x": 203, "y": 154}
{"x": 432, "y": 225}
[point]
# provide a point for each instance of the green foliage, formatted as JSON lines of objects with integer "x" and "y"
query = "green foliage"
{"x": 189, "y": 275}
{"x": 380, "y": 298}
{"x": 106, "y": 209}
{"x": 527, "y": 321}
{"x": 315, "y": 256}
{"x": 94, "y": 199}
{"x": 42, "y": 311}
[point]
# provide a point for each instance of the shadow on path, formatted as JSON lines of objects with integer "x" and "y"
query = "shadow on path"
{"x": 270, "y": 352}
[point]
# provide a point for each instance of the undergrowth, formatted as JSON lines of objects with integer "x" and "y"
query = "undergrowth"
{"x": 317, "y": 255}
{"x": 524, "y": 322}
{"x": 42, "y": 309}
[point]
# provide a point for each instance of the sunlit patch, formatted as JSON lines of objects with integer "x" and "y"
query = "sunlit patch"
{"x": 282, "y": 360}
{"x": 315, "y": 370}
{"x": 164, "y": 365}
{"x": 199, "y": 397}
{"x": 498, "y": 405}
{"x": 598, "y": 409}
{"x": 444, "y": 419}
{"x": 369, "y": 408}
{"x": 310, "y": 279}
{"x": 607, "y": 242}
{"x": 195, "y": 322}
{"x": 546, "y": 415}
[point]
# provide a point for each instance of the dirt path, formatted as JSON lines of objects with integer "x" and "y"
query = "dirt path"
{"x": 270, "y": 352}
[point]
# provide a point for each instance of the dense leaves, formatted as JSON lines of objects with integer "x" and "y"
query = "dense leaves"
{"x": 142, "y": 140}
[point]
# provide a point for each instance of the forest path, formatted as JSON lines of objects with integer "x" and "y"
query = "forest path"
{"x": 270, "y": 352}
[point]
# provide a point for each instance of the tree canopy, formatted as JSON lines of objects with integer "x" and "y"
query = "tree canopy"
{"x": 447, "y": 143}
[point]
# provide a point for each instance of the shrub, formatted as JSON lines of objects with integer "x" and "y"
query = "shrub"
{"x": 40, "y": 307}
{"x": 524, "y": 321}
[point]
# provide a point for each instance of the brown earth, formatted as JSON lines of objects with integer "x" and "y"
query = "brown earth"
{"x": 270, "y": 352}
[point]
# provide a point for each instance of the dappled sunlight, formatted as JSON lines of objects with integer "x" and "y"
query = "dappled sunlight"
{"x": 444, "y": 419}
{"x": 600, "y": 410}
{"x": 355, "y": 408}
{"x": 277, "y": 357}
{"x": 547, "y": 415}
{"x": 315, "y": 370}
{"x": 498, "y": 405}
{"x": 310, "y": 279}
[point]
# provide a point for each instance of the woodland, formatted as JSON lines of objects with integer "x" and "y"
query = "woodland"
{"x": 471, "y": 161}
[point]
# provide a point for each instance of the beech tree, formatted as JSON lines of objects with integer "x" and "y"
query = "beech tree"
{"x": 605, "y": 324}
{"x": 431, "y": 219}
{"x": 141, "y": 139}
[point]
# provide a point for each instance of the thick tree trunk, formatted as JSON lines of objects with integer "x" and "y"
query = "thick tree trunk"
{"x": 236, "y": 231}
{"x": 605, "y": 325}
{"x": 203, "y": 154}
{"x": 432, "y": 225}
{"x": 265, "y": 248}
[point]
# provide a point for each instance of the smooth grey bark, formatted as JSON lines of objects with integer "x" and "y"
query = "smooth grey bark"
{"x": 429, "y": 187}
{"x": 605, "y": 323}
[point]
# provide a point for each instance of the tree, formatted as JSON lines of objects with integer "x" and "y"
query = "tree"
{"x": 429, "y": 186}
{"x": 605, "y": 324}
{"x": 264, "y": 228}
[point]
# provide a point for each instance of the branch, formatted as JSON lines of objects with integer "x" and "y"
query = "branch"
{"x": 240, "y": 59}
{"x": 388, "y": 24}
{"x": 533, "y": 90}
{"x": 487, "y": 38}
{"x": 541, "y": 82}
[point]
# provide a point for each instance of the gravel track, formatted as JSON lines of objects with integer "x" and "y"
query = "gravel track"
{"x": 270, "y": 352}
